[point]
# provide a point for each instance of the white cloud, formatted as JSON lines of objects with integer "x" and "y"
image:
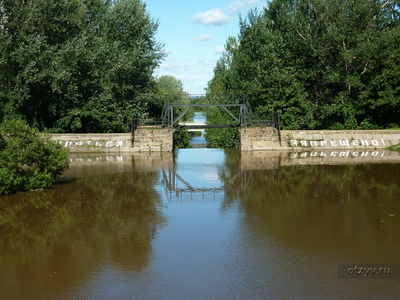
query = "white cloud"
{"x": 220, "y": 50}
{"x": 193, "y": 74}
{"x": 166, "y": 52}
{"x": 251, "y": 2}
{"x": 237, "y": 5}
{"x": 204, "y": 38}
{"x": 213, "y": 17}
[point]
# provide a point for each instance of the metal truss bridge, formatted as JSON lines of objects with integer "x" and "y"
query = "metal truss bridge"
{"x": 237, "y": 107}
{"x": 176, "y": 106}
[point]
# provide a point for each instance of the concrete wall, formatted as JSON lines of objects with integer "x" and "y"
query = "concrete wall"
{"x": 266, "y": 138}
{"x": 259, "y": 138}
{"x": 251, "y": 139}
{"x": 148, "y": 140}
{"x": 145, "y": 140}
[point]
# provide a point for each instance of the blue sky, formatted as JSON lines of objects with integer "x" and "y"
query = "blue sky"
{"x": 194, "y": 34}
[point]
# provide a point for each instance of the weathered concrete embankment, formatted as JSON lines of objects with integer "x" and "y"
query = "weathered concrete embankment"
{"x": 251, "y": 139}
{"x": 144, "y": 140}
{"x": 268, "y": 138}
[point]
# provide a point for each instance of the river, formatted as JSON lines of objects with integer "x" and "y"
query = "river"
{"x": 207, "y": 224}
{"x": 199, "y": 141}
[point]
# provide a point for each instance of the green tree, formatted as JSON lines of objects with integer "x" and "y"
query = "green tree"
{"x": 170, "y": 90}
{"x": 321, "y": 64}
{"x": 167, "y": 90}
{"x": 76, "y": 66}
{"x": 28, "y": 160}
{"x": 181, "y": 138}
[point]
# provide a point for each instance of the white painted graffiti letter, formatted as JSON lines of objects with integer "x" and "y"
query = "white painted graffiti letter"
{"x": 334, "y": 143}
{"x": 304, "y": 143}
{"x": 344, "y": 143}
{"x": 110, "y": 144}
{"x": 364, "y": 154}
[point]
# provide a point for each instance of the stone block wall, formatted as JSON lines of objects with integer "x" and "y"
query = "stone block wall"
{"x": 251, "y": 139}
{"x": 145, "y": 140}
{"x": 339, "y": 139}
{"x": 259, "y": 138}
{"x": 156, "y": 139}
{"x": 99, "y": 142}
{"x": 266, "y": 138}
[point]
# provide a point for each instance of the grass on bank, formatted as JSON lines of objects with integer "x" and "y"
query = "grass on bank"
{"x": 394, "y": 148}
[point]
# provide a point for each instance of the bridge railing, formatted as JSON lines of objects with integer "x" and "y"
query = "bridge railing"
{"x": 145, "y": 122}
{"x": 272, "y": 120}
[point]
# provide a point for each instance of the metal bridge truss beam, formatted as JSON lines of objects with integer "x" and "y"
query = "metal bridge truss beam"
{"x": 243, "y": 119}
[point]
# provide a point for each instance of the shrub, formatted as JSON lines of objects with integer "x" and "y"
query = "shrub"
{"x": 28, "y": 160}
{"x": 181, "y": 138}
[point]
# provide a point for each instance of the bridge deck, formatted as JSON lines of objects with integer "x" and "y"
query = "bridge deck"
{"x": 204, "y": 126}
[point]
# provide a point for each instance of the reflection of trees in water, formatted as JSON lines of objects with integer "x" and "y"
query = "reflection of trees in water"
{"x": 320, "y": 204}
{"x": 77, "y": 228}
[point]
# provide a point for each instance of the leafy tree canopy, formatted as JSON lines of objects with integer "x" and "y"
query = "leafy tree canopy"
{"x": 322, "y": 64}
{"x": 76, "y": 65}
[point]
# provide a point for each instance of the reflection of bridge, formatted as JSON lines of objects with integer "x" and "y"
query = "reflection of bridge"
{"x": 238, "y": 183}
{"x": 171, "y": 180}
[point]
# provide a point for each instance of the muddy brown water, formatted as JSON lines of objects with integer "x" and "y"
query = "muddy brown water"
{"x": 207, "y": 224}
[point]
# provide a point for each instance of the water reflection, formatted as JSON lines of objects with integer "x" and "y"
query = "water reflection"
{"x": 55, "y": 239}
{"x": 204, "y": 224}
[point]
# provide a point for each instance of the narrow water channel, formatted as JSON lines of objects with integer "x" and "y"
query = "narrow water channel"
{"x": 199, "y": 141}
{"x": 207, "y": 224}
